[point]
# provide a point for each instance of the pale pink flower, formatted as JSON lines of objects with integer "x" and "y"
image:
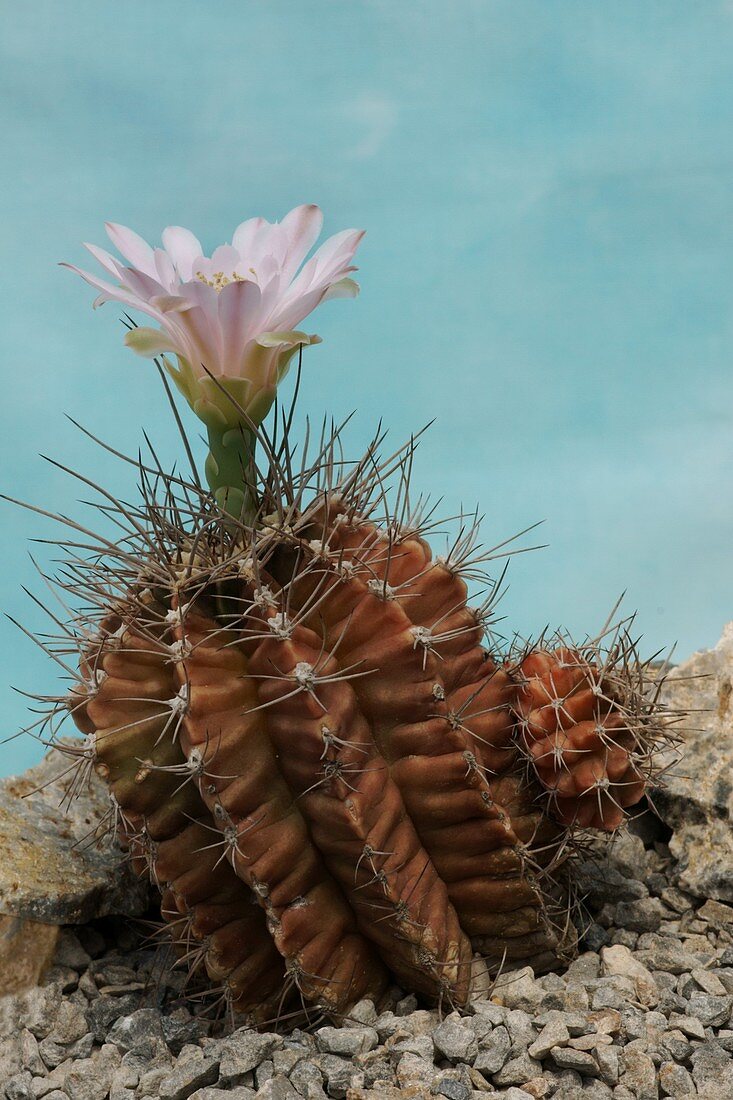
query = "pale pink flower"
{"x": 233, "y": 315}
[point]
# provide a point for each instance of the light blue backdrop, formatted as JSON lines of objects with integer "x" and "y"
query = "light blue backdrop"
{"x": 547, "y": 189}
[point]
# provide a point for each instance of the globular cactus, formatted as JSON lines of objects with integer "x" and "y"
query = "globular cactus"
{"x": 578, "y": 723}
{"x": 315, "y": 746}
{"x": 332, "y": 775}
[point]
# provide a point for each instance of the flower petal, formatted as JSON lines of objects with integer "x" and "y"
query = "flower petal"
{"x": 135, "y": 281}
{"x": 145, "y": 286}
{"x": 288, "y": 339}
{"x": 330, "y": 263}
{"x": 239, "y": 305}
{"x": 337, "y": 252}
{"x": 200, "y": 330}
{"x": 244, "y": 236}
{"x": 291, "y": 312}
{"x": 302, "y": 226}
{"x": 149, "y": 342}
{"x": 108, "y": 262}
{"x": 171, "y": 303}
{"x": 271, "y": 243}
{"x": 225, "y": 258}
{"x": 166, "y": 272}
{"x": 344, "y": 288}
{"x": 183, "y": 248}
{"x": 116, "y": 293}
{"x": 200, "y": 294}
{"x": 132, "y": 247}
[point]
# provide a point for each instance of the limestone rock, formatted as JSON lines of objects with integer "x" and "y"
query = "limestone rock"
{"x": 26, "y": 952}
{"x": 697, "y": 801}
{"x": 518, "y": 989}
{"x": 618, "y": 961}
{"x": 52, "y": 869}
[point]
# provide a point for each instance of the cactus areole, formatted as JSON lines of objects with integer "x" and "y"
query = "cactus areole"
{"x": 315, "y": 747}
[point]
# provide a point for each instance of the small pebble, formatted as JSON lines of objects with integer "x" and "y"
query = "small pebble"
{"x": 579, "y": 1060}
{"x": 348, "y": 1040}
{"x": 455, "y": 1040}
{"x": 553, "y": 1034}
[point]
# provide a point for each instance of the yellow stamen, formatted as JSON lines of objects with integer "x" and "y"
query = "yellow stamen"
{"x": 219, "y": 280}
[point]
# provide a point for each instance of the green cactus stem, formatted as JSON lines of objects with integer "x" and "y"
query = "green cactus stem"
{"x": 231, "y": 472}
{"x": 233, "y": 410}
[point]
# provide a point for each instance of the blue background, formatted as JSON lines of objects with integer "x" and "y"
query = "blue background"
{"x": 547, "y": 192}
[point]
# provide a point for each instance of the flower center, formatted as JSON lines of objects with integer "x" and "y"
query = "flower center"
{"x": 219, "y": 280}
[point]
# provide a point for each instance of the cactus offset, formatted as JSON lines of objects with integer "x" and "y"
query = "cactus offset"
{"x": 315, "y": 747}
{"x": 577, "y": 722}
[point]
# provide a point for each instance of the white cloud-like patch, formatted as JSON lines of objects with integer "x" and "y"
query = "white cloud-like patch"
{"x": 374, "y": 117}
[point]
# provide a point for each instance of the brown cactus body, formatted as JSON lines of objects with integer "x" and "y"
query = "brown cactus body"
{"x": 330, "y": 778}
{"x": 580, "y": 738}
{"x": 313, "y": 753}
{"x": 448, "y": 743}
{"x": 131, "y": 686}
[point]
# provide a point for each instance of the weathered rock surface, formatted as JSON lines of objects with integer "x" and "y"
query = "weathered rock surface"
{"x": 52, "y": 869}
{"x": 26, "y": 951}
{"x": 697, "y": 802}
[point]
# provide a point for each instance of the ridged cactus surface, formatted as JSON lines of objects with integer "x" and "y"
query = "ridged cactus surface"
{"x": 577, "y": 722}
{"x": 333, "y": 776}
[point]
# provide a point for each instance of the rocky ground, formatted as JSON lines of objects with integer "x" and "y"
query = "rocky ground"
{"x": 644, "y": 1012}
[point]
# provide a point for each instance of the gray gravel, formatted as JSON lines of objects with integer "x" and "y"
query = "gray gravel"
{"x": 645, "y": 1012}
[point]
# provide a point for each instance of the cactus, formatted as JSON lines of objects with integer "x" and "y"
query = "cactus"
{"x": 327, "y": 761}
{"x": 576, "y": 721}
{"x": 318, "y": 752}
